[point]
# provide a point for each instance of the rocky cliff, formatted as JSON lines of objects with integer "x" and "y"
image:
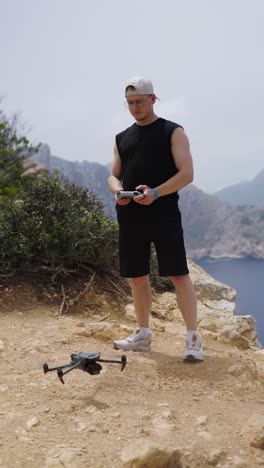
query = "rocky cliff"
{"x": 215, "y": 229}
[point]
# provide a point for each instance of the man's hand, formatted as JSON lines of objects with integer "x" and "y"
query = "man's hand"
{"x": 148, "y": 195}
{"x": 122, "y": 201}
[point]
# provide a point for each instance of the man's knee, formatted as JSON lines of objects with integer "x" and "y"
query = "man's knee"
{"x": 140, "y": 280}
{"x": 181, "y": 280}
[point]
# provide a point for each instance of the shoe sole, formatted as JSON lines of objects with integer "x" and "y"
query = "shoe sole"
{"x": 142, "y": 349}
{"x": 192, "y": 359}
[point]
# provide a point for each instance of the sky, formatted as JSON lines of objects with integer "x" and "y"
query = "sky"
{"x": 64, "y": 65}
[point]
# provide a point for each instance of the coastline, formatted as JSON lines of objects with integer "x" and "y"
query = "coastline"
{"x": 197, "y": 258}
{"x": 224, "y": 258}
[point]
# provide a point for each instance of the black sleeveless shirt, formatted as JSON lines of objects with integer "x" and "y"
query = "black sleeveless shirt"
{"x": 145, "y": 152}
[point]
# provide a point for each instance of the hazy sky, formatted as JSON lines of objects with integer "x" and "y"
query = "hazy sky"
{"x": 64, "y": 64}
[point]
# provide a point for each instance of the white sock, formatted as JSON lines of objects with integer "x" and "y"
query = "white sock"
{"x": 191, "y": 333}
{"x": 146, "y": 331}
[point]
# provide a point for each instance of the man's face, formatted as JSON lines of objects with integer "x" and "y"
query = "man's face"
{"x": 140, "y": 106}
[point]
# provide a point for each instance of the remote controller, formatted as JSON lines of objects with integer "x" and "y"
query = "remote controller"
{"x": 127, "y": 194}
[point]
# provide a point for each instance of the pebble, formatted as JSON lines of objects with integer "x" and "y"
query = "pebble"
{"x": 91, "y": 409}
{"x": 22, "y": 435}
{"x": 215, "y": 456}
{"x": 46, "y": 410}
{"x": 3, "y": 388}
{"x": 236, "y": 370}
{"x": 205, "y": 435}
{"x": 239, "y": 462}
{"x": 201, "y": 420}
{"x": 62, "y": 457}
{"x": 81, "y": 427}
{"x": 33, "y": 422}
{"x": 92, "y": 429}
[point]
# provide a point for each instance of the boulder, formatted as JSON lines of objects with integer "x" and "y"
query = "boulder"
{"x": 253, "y": 431}
{"x": 32, "y": 168}
{"x": 147, "y": 454}
{"x": 130, "y": 313}
{"x": 207, "y": 288}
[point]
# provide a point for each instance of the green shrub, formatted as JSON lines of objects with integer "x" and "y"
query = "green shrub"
{"x": 56, "y": 224}
{"x": 13, "y": 150}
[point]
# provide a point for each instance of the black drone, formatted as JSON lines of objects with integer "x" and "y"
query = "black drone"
{"x": 88, "y": 362}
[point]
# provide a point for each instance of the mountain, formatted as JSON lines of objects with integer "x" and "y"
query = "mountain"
{"x": 212, "y": 228}
{"x": 85, "y": 174}
{"x": 215, "y": 229}
{"x": 245, "y": 193}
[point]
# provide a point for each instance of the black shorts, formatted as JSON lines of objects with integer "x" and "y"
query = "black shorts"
{"x": 135, "y": 248}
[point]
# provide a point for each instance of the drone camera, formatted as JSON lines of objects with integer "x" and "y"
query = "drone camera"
{"x": 94, "y": 369}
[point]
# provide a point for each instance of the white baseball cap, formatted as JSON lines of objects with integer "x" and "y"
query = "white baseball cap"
{"x": 141, "y": 85}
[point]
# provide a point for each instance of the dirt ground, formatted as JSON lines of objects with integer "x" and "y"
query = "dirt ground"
{"x": 93, "y": 421}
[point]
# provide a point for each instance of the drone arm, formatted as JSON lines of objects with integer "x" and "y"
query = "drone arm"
{"x": 61, "y": 373}
{"x": 123, "y": 361}
{"x": 72, "y": 366}
{"x": 49, "y": 369}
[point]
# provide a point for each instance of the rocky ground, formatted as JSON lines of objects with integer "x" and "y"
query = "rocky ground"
{"x": 157, "y": 413}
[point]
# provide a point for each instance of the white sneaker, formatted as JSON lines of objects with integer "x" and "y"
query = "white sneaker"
{"x": 138, "y": 341}
{"x": 194, "y": 351}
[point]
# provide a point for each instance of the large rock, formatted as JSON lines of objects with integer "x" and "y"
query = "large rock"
{"x": 216, "y": 311}
{"x": 207, "y": 288}
{"x": 239, "y": 330}
{"x": 147, "y": 454}
{"x": 33, "y": 168}
{"x": 60, "y": 456}
{"x": 253, "y": 431}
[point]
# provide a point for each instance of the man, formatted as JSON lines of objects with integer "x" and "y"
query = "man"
{"x": 153, "y": 156}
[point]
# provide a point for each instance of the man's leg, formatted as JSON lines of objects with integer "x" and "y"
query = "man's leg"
{"x": 134, "y": 254}
{"x": 141, "y": 339}
{"x": 142, "y": 297}
{"x": 186, "y": 299}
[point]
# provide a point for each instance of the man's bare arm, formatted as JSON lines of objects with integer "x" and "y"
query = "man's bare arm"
{"x": 181, "y": 153}
{"x": 114, "y": 179}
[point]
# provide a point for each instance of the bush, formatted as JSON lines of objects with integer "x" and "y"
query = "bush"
{"x": 13, "y": 150}
{"x": 56, "y": 224}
